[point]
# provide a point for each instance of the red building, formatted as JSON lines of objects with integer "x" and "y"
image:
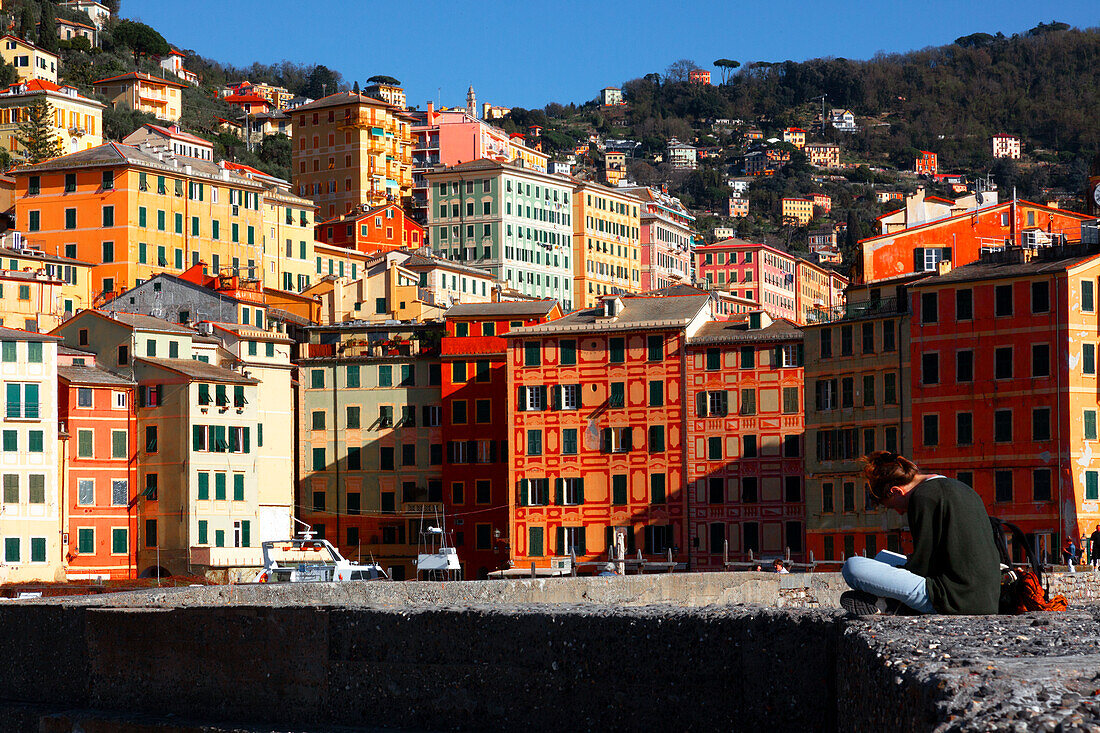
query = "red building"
{"x": 596, "y": 418}
{"x": 99, "y": 467}
{"x": 381, "y": 229}
{"x": 1004, "y": 386}
{"x": 963, "y": 237}
{"x": 927, "y": 164}
{"x": 744, "y": 444}
{"x": 699, "y": 76}
{"x": 752, "y": 271}
{"x": 475, "y": 427}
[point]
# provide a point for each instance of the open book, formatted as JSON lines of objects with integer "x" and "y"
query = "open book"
{"x": 891, "y": 558}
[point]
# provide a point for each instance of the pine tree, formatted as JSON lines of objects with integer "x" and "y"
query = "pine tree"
{"x": 26, "y": 23}
{"x": 47, "y": 29}
{"x": 35, "y": 132}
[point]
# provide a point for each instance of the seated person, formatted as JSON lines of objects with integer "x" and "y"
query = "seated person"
{"x": 955, "y": 566}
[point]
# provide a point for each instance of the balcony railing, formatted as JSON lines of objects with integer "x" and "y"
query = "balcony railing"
{"x": 860, "y": 309}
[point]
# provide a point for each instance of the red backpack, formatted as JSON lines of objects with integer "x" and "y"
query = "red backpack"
{"x": 1021, "y": 585}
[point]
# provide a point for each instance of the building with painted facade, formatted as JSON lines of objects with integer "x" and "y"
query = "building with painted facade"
{"x": 1006, "y": 146}
{"x": 514, "y": 222}
{"x": 381, "y": 229}
{"x": 606, "y": 243}
{"x": 476, "y": 434}
{"x": 666, "y": 241}
{"x": 823, "y": 155}
{"x": 77, "y": 121}
{"x": 30, "y": 61}
{"x": 30, "y": 523}
{"x": 756, "y": 272}
{"x": 150, "y": 94}
{"x": 351, "y": 150}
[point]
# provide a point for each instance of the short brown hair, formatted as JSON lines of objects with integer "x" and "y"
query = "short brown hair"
{"x": 884, "y": 470}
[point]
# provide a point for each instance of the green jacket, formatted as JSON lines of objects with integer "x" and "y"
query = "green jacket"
{"x": 953, "y": 547}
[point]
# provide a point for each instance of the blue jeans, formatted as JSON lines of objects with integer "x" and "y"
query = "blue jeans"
{"x": 886, "y": 581}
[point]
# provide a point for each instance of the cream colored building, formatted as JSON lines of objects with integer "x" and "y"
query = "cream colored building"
{"x": 158, "y": 97}
{"x": 77, "y": 121}
{"x": 30, "y": 520}
{"x": 30, "y": 61}
{"x": 391, "y": 93}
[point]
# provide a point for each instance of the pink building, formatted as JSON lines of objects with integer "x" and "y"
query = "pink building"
{"x": 667, "y": 237}
{"x": 752, "y": 271}
{"x": 451, "y": 136}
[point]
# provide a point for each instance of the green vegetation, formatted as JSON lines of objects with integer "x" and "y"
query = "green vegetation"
{"x": 35, "y": 132}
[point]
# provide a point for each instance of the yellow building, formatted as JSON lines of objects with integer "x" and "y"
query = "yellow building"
{"x": 158, "y": 97}
{"x": 606, "y": 243}
{"x": 799, "y": 210}
{"x": 386, "y": 290}
{"x": 75, "y": 275}
{"x": 350, "y": 150}
{"x": 30, "y": 61}
{"x": 134, "y": 214}
{"x": 796, "y": 136}
{"x": 817, "y": 289}
{"x": 390, "y": 93}
{"x": 77, "y": 120}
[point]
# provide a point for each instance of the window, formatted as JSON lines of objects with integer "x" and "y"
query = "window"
{"x": 748, "y": 357}
{"x": 845, "y": 340}
{"x": 868, "y": 390}
{"x": 748, "y": 401}
{"x": 849, "y": 496}
{"x": 867, "y": 338}
{"x": 826, "y": 341}
{"x": 617, "y": 397}
{"x": 569, "y": 441}
{"x": 714, "y": 448}
{"x": 1002, "y": 362}
{"x": 567, "y": 352}
{"x": 532, "y": 356}
{"x": 929, "y": 307}
{"x": 1040, "y": 360}
{"x": 534, "y": 442}
{"x": 1088, "y": 299}
{"x": 1002, "y": 300}
{"x": 616, "y": 350}
{"x": 931, "y": 424}
{"x": 847, "y": 392}
{"x": 930, "y": 368}
{"x": 1040, "y": 297}
{"x": 84, "y": 443}
{"x": 889, "y": 343}
{"x": 119, "y": 448}
{"x": 1089, "y": 424}
{"x": 1002, "y": 426}
{"x": 656, "y": 393}
{"x": 1092, "y": 485}
{"x": 791, "y": 447}
{"x": 714, "y": 359}
{"x": 790, "y": 400}
{"x": 964, "y": 305}
{"x": 1040, "y": 423}
{"x": 748, "y": 446}
{"x": 1002, "y": 486}
{"x": 1088, "y": 359}
{"x": 964, "y": 366}
{"x": 964, "y": 428}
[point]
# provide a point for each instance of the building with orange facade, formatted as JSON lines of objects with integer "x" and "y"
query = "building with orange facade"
{"x": 143, "y": 93}
{"x": 381, "y": 229}
{"x": 351, "y": 150}
{"x": 818, "y": 287}
{"x": 596, "y": 413}
{"x": 796, "y": 136}
{"x": 962, "y": 237}
{"x": 134, "y": 214}
{"x": 699, "y": 76}
{"x": 99, "y": 450}
{"x": 1004, "y": 386}
{"x": 927, "y": 164}
{"x": 857, "y": 401}
{"x": 743, "y": 446}
{"x": 476, "y": 485}
{"x": 823, "y": 155}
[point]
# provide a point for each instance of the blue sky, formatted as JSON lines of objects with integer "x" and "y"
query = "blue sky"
{"x": 528, "y": 54}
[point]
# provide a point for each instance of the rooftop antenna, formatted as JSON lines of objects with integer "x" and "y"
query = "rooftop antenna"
{"x": 822, "y": 98}
{"x": 307, "y": 533}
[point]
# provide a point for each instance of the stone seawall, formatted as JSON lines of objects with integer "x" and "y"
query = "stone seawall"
{"x": 492, "y": 656}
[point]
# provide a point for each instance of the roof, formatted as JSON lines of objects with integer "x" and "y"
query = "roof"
{"x": 237, "y": 98}
{"x": 63, "y": 349}
{"x": 715, "y": 332}
{"x": 62, "y": 21}
{"x": 138, "y": 76}
{"x": 199, "y": 370}
{"x": 246, "y": 331}
{"x": 39, "y": 255}
{"x": 639, "y": 312}
{"x": 18, "y": 334}
{"x": 28, "y": 43}
{"x": 91, "y": 375}
{"x": 178, "y": 134}
{"x": 341, "y": 98}
{"x": 1000, "y": 269}
{"x": 117, "y": 154}
{"x": 417, "y": 261}
{"x": 146, "y": 323}
{"x": 501, "y": 309}
{"x": 985, "y": 210}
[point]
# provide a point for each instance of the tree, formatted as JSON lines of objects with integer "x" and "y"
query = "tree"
{"x": 140, "y": 39}
{"x": 26, "y": 22}
{"x": 678, "y": 70}
{"x": 8, "y": 74}
{"x": 35, "y": 133}
{"x": 727, "y": 66}
{"x": 322, "y": 82}
{"x": 355, "y": 88}
{"x": 47, "y": 29}
{"x": 383, "y": 79}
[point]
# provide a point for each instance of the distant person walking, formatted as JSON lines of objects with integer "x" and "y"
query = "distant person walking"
{"x": 1069, "y": 553}
{"x": 1094, "y": 547}
{"x": 955, "y": 565}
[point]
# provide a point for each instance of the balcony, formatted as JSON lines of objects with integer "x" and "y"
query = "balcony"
{"x": 225, "y": 557}
{"x": 881, "y": 308}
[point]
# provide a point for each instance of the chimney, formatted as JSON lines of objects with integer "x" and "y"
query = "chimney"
{"x": 943, "y": 267}
{"x": 431, "y": 110}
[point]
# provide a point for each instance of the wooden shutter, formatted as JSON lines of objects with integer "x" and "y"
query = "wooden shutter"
{"x": 542, "y": 395}
{"x": 628, "y": 439}
{"x": 557, "y": 390}
{"x": 580, "y": 490}
{"x": 245, "y": 435}
{"x": 559, "y": 491}
{"x": 605, "y": 440}
{"x": 521, "y": 404}
{"x": 246, "y": 533}
{"x": 197, "y": 433}
{"x": 561, "y": 540}
{"x": 945, "y": 254}
{"x": 580, "y": 548}
{"x": 918, "y": 259}
{"x": 700, "y": 404}
{"x": 523, "y": 492}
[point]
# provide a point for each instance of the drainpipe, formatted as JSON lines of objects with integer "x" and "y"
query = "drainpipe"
{"x": 336, "y": 438}
{"x": 683, "y": 445}
{"x": 1058, "y": 401}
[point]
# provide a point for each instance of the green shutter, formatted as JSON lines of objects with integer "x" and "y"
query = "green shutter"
{"x": 203, "y": 536}
{"x": 204, "y": 486}
{"x": 38, "y": 549}
{"x": 524, "y": 492}
{"x": 534, "y": 545}
{"x": 246, "y": 533}
{"x": 238, "y": 487}
{"x": 219, "y": 486}
{"x": 245, "y": 434}
{"x": 559, "y": 491}
{"x": 119, "y": 543}
{"x": 561, "y": 541}
{"x": 198, "y": 432}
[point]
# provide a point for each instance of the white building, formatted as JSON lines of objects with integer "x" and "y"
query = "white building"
{"x": 843, "y": 119}
{"x": 98, "y": 12}
{"x": 611, "y": 96}
{"x": 681, "y": 155}
{"x": 1006, "y": 146}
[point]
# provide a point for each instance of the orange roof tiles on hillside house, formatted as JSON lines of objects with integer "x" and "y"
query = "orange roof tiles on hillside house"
{"x": 138, "y": 76}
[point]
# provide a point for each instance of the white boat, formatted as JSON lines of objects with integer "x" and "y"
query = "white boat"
{"x": 309, "y": 560}
{"x": 436, "y": 558}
